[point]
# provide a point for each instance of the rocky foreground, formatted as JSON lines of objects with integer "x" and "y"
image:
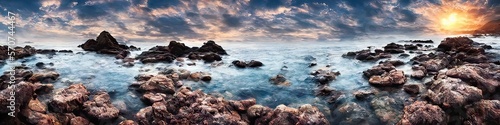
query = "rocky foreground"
{"x": 463, "y": 88}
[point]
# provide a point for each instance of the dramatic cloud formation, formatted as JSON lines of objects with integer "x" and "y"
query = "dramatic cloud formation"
{"x": 245, "y": 20}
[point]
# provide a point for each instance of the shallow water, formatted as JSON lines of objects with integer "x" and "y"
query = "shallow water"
{"x": 102, "y": 72}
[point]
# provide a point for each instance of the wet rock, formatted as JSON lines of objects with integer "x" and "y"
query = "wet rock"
{"x": 280, "y": 80}
{"x": 433, "y": 62}
{"x": 410, "y": 47}
{"x": 394, "y": 77}
{"x": 128, "y": 122}
{"x": 44, "y": 76}
{"x": 366, "y": 55}
{"x": 243, "y": 105}
{"x": 122, "y": 55}
{"x": 64, "y": 118}
{"x": 411, "y": 88}
{"x": 313, "y": 64}
{"x": 144, "y": 115}
{"x": 284, "y": 115}
{"x": 257, "y": 111}
{"x": 352, "y": 113}
{"x": 20, "y": 52}
{"x": 43, "y": 88}
{"x": 393, "y": 62}
{"x": 455, "y": 43}
{"x": 394, "y": 48}
{"x": 211, "y": 46}
{"x": 452, "y": 92}
{"x": 100, "y": 107}
{"x": 331, "y": 94}
{"x": 254, "y": 63}
{"x": 35, "y": 114}
{"x": 65, "y": 51}
{"x": 80, "y": 121}
{"x": 484, "y": 112}
{"x": 421, "y": 113}
{"x": 178, "y": 49}
{"x": 20, "y": 94}
{"x": 104, "y": 42}
{"x": 155, "y": 56}
{"x": 151, "y": 98}
{"x": 363, "y": 94}
{"x": 324, "y": 76}
{"x": 211, "y": 57}
{"x": 420, "y": 41}
{"x": 419, "y": 72}
{"x": 379, "y": 70}
{"x": 385, "y": 109}
{"x": 484, "y": 78}
{"x": 197, "y": 76}
{"x": 46, "y": 51}
{"x": 239, "y": 64}
{"x": 158, "y": 83}
{"x": 69, "y": 99}
{"x": 404, "y": 55}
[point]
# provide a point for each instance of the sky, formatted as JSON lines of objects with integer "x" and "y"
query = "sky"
{"x": 242, "y": 20}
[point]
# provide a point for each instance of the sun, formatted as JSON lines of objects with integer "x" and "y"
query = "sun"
{"x": 450, "y": 22}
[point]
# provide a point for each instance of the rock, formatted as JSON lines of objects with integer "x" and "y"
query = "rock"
{"x": 366, "y": 55}
{"x": 483, "y": 78}
{"x": 151, "y": 98}
{"x": 363, "y": 94}
{"x": 158, "y": 83}
{"x": 211, "y": 57}
{"x": 433, "y": 62}
{"x": 242, "y": 105}
{"x": 394, "y": 77}
{"x": 385, "y": 109}
{"x": 257, "y": 111}
{"x": 122, "y": 55}
{"x": 331, "y": 94}
{"x": 100, "y": 107}
{"x": 313, "y": 64}
{"x": 64, "y": 118}
{"x": 178, "y": 49}
{"x": 128, "y": 122}
{"x": 239, "y": 64}
{"x": 44, "y": 76}
{"x": 20, "y": 94}
{"x": 211, "y": 46}
{"x": 421, "y": 113}
{"x": 20, "y": 52}
{"x": 40, "y": 65}
{"x": 43, "y": 88}
{"x": 484, "y": 112}
{"x": 144, "y": 115}
{"x": 452, "y": 92}
{"x": 404, "y": 55}
{"x": 284, "y": 115}
{"x": 420, "y": 41}
{"x": 80, "y": 121}
{"x": 134, "y": 48}
{"x": 393, "y": 62}
{"x": 69, "y": 99}
{"x": 455, "y": 43}
{"x": 410, "y": 47}
{"x": 104, "y": 42}
{"x": 379, "y": 70}
{"x": 65, "y": 51}
{"x": 394, "y": 48}
{"x": 197, "y": 76}
{"x": 194, "y": 56}
{"x": 155, "y": 56}
{"x": 35, "y": 113}
{"x": 311, "y": 115}
{"x": 324, "y": 76}
{"x": 254, "y": 63}
{"x": 411, "y": 88}
{"x": 280, "y": 80}
{"x": 46, "y": 51}
{"x": 352, "y": 113}
{"x": 419, "y": 72}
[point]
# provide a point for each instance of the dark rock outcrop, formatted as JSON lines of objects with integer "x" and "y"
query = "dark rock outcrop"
{"x": 394, "y": 48}
{"x": 16, "y": 53}
{"x": 243, "y": 64}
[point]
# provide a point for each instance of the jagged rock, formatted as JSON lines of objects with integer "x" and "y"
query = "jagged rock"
{"x": 352, "y": 113}
{"x": 69, "y": 99}
{"x": 20, "y": 94}
{"x": 284, "y": 115}
{"x": 410, "y": 47}
{"x": 243, "y": 105}
{"x": 197, "y": 76}
{"x": 155, "y": 56}
{"x": 394, "y": 48}
{"x": 366, "y": 55}
{"x": 419, "y": 72}
{"x": 43, "y": 88}
{"x": 100, "y": 107}
{"x": 211, "y": 46}
{"x": 411, "y": 88}
{"x": 44, "y": 76}
{"x": 178, "y": 49}
{"x": 433, "y": 62}
{"x": 16, "y": 52}
{"x": 324, "y": 76}
{"x": 151, "y": 98}
{"x": 331, "y": 94}
{"x": 379, "y": 70}
{"x": 257, "y": 111}
{"x": 393, "y": 62}
{"x": 484, "y": 112}
{"x": 80, "y": 121}
{"x": 481, "y": 77}
{"x": 421, "y": 113}
{"x": 420, "y": 41}
{"x": 128, "y": 122}
{"x": 35, "y": 114}
{"x": 394, "y": 77}
{"x": 158, "y": 83}
{"x": 211, "y": 57}
{"x": 363, "y": 94}
{"x": 104, "y": 42}
{"x": 452, "y": 92}
{"x": 455, "y": 43}
{"x": 280, "y": 80}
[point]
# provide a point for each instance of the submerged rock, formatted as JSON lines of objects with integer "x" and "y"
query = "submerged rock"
{"x": 421, "y": 113}
{"x": 324, "y": 76}
{"x": 280, "y": 80}
{"x": 69, "y": 99}
{"x": 385, "y": 109}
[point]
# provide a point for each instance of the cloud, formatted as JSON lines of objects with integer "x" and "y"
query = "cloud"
{"x": 240, "y": 20}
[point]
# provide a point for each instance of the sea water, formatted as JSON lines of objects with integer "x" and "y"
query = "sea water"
{"x": 292, "y": 59}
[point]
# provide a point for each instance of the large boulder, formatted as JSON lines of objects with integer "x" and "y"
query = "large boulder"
{"x": 280, "y": 80}
{"x": 100, "y": 107}
{"x": 178, "y": 49}
{"x": 394, "y": 48}
{"x": 69, "y": 99}
{"x": 44, "y": 76}
{"x": 14, "y": 97}
{"x": 484, "y": 112}
{"x": 158, "y": 83}
{"x": 485, "y": 78}
{"x": 35, "y": 114}
{"x": 452, "y": 92}
{"x": 367, "y": 55}
{"x": 103, "y": 42}
{"x": 379, "y": 70}
{"x": 211, "y": 46}
{"x": 421, "y": 113}
{"x": 455, "y": 43}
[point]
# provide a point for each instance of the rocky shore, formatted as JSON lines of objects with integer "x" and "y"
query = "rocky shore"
{"x": 456, "y": 82}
